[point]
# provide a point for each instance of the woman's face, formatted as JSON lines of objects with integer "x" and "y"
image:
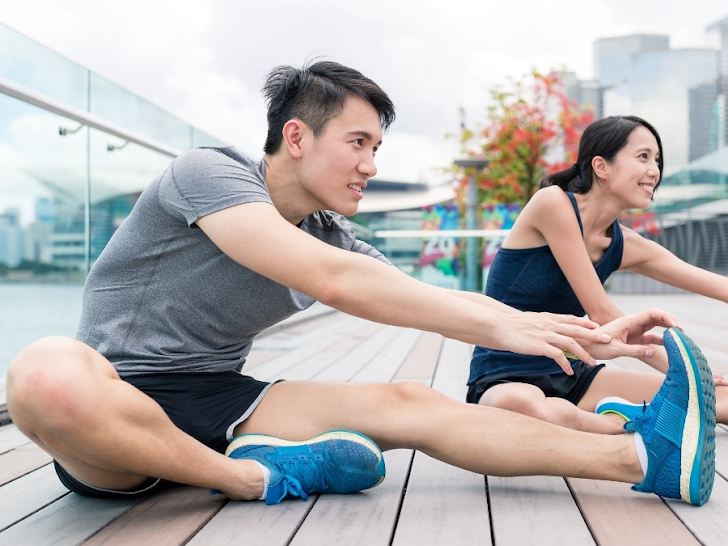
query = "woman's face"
{"x": 634, "y": 172}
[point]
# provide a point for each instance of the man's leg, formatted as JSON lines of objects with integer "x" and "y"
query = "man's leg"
{"x": 410, "y": 415}
{"x": 676, "y": 431}
{"x": 68, "y": 399}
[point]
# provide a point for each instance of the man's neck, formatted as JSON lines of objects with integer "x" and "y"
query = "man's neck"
{"x": 284, "y": 188}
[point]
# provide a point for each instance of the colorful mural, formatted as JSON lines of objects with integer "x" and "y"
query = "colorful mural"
{"x": 439, "y": 263}
{"x": 496, "y": 216}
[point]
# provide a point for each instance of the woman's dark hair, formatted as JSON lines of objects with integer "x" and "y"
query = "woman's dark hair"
{"x": 315, "y": 94}
{"x": 603, "y": 138}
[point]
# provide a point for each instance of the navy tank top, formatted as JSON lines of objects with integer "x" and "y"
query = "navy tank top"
{"x": 530, "y": 279}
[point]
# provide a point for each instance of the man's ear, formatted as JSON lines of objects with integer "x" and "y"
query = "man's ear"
{"x": 600, "y": 166}
{"x": 293, "y": 133}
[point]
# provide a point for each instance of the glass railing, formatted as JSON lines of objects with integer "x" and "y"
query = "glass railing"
{"x": 76, "y": 151}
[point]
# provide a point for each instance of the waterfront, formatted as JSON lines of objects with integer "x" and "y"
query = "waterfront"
{"x": 29, "y": 311}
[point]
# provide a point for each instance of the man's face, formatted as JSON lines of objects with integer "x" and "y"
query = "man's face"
{"x": 336, "y": 165}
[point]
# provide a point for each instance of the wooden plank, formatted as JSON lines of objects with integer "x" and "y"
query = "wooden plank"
{"x": 350, "y": 343}
{"x": 445, "y": 504}
{"x": 330, "y": 355}
{"x": 708, "y": 522}
{"x": 29, "y": 494}
{"x": 721, "y": 450}
{"x": 70, "y": 520}
{"x": 422, "y": 360}
{"x": 367, "y": 518}
{"x": 21, "y": 461}
{"x": 166, "y": 518}
{"x": 617, "y": 515}
{"x": 442, "y": 504}
{"x": 384, "y": 366}
{"x": 11, "y": 437}
{"x": 254, "y": 522}
{"x": 453, "y": 366}
{"x": 301, "y": 347}
{"x": 535, "y": 509}
{"x": 354, "y": 361}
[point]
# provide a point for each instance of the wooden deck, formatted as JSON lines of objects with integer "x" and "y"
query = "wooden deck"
{"x": 422, "y": 501}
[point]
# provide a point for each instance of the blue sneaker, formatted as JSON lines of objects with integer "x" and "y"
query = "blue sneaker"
{"x": 624, "y": 408}
{"x": 338, "y": 461}
{"x": 678, "y": 426}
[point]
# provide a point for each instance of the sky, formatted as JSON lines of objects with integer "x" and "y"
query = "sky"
{"x": 205, "y": 61}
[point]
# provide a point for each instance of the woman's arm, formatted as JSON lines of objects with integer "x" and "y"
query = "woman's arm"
{"x": 652, "y": 260}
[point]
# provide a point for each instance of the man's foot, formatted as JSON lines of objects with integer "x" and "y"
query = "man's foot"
{"x": 338, "y": 461}
{"x": 619, "y": 406}
{"x": 678, "y": 426}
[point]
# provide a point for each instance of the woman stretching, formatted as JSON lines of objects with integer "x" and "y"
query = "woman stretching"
{"x": 564, "y": 245}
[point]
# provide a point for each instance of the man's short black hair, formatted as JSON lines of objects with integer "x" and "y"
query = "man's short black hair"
{"x": 316, "y": 93}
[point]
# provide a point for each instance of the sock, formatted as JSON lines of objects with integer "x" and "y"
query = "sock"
{"x": 639, "y": 444}
{"x": 266, "y": 479}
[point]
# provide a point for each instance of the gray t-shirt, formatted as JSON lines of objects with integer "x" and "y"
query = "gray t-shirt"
{"x": 163, "y": 297}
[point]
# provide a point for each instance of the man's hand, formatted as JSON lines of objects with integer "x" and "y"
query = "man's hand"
{"x": 629, "y": 335}
{"x": 550, "y": 335}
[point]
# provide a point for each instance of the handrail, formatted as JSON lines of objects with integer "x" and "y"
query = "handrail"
{"x": 25, "y": 94}
{"x": 435, "y": 233}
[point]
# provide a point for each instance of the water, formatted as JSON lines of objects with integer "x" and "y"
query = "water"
{"x": 31, "y": 311}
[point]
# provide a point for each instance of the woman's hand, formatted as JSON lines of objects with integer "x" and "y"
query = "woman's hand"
{"x": 629, "y": 335}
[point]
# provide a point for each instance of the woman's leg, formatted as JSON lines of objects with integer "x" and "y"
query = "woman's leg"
{"x": 639, "y": 387}
{"x": 530, "y": 400}
{"x": 636, "y": 387}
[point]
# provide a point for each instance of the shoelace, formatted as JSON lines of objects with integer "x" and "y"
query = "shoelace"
{"x": 292, "y": 487}
{"x": 645, "y": 418}
{"x": 303, "y": 471}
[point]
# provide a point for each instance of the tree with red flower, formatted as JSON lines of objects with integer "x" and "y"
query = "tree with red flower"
{"x": 532, "y": 129}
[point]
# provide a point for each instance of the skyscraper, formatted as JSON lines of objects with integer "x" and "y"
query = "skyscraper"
{"x": 677, "y": 90}
{"x": 613, "y": 56}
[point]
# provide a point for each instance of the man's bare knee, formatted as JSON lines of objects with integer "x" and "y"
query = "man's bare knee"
{"x": 48, "y": 378}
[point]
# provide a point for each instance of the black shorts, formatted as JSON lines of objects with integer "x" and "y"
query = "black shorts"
{"x": 207, "y": 406}
{"x": 559, "y": 385}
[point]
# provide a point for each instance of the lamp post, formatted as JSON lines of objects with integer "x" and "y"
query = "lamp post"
{"x": 471, "y": 203}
